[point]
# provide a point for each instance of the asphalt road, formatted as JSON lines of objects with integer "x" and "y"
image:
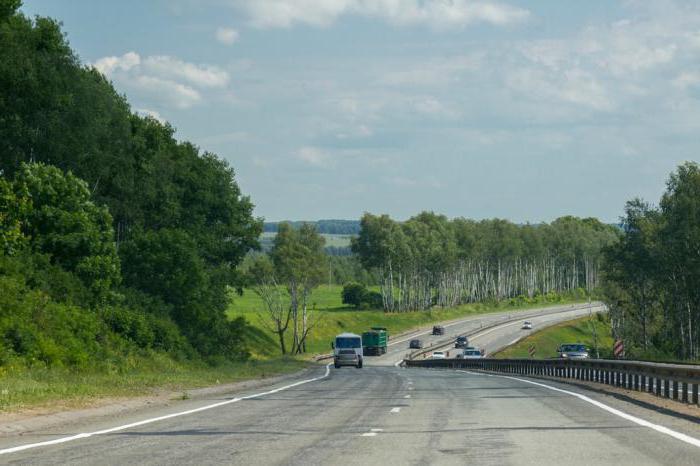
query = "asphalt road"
{"x": 375, "y": 416}
{"x": 490, "y": 338}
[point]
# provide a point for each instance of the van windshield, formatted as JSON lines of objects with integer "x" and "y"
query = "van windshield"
{"x": 348, "y": 342}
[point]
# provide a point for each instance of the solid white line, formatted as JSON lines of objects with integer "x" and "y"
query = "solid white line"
{"x": 160, "y": 418}
{"x": 369, "y": 434}
{"x": 395, "y": 410}
{"x": 661, "y": 429}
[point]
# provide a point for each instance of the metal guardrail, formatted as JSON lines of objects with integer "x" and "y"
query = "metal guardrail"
{"x": 673, "y": 381}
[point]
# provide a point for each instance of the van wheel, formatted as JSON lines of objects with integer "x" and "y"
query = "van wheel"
{"x": 359, "y": 364}
{"x": 337, "y": 366}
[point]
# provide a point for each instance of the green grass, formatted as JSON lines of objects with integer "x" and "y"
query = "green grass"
{"x": 548, "y": 339}
{"x": 22, "y": 388}
{"x": 334, "y": 318}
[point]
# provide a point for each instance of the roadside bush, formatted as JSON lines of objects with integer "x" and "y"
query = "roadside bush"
{"x": 353, "y": 293}
{"x": 357, "y": 294}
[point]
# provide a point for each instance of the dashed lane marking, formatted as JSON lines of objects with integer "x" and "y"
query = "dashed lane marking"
{"x": 395, "y": 410}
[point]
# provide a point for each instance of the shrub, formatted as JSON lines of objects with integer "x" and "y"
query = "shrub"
{"x": 353, "y": 294}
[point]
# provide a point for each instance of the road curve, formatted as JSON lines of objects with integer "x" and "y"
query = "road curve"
{"x": 381, "y": 414}
{"x": 498, "y": 330}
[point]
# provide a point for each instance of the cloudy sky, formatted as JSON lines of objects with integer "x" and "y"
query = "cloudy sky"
{"x": 525, "y": 110}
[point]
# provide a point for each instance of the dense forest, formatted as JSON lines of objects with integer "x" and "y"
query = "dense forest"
{"x": 429, "y": 260}
{"x": 114, "y": 236}
{"x": 653, "y": 274}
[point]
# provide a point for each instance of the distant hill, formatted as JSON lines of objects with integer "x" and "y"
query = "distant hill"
{"x": 329, "y": 227}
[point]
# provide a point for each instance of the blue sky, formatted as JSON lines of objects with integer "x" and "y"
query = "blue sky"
{"x": 525, "y": 110}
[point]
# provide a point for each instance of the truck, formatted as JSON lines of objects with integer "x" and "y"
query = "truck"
{"x": 347, "y": 350}
{"x": 374, "y": 342}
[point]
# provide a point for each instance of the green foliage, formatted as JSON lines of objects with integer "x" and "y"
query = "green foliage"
{"x": 13, "y": 209}
{"x": 357, "y": 294}
{"x": 654, "y": 271}
{"x": 66, "y": 225}
{"x": 82, "y": 177}
{"x": 546, "y": 341}
{"x": 353, "y": 294}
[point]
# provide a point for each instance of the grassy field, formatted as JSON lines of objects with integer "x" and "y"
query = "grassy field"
{"x": 60, "y": 388}
{"x": 338, "y": 241}
{"x": 547, "y": 340}
{"x": 334, "y": 317}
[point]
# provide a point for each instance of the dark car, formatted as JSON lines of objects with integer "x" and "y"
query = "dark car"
{"x": 415, "y": 344}
{"x": 461, "y": 342}
{"x": 438, "y": 330}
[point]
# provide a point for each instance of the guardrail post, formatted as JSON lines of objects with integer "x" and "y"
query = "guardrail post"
{"x": 695, "y": 393}
{"x": 657, "y": 386}
{"x": 667, "y": 388}
{"x": 674, "y": 387}
{"x": 684, "y": 388}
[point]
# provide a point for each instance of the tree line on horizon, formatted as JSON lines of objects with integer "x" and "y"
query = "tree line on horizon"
{"x": 430, "y": 260}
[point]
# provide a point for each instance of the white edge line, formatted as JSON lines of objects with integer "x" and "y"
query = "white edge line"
{"x": 661, "y": 429}
{"x": 160, "y": 418}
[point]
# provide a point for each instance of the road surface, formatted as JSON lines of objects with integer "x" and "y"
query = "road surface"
{"x": 380, "y": 415}
{"x": 489, "y": 338}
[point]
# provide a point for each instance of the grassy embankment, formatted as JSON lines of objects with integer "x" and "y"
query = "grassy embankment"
{"x": 334, "y": 317}
{"x": 548, "y": 339}
{"x": 58, "y": 388}
{"x": 22, "y": 388}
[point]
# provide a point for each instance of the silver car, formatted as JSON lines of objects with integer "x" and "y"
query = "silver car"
{"x": 573, "y": 351}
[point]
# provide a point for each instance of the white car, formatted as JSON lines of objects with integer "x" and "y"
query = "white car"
{"x": 438, "y": 355}
{"x": 527, "y": 325}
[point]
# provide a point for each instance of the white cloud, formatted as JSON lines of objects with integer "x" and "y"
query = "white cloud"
{"x": 227, "y": 36}
{"x": 174, "y": 68}
{"x": 162, "y": 78}
{"x": 169, "y": 92}
{"x": 150, "y": 113}
{"x": 107, "y": 65}
{"x": 687, "y": 79}
{"x": 435, "y": 13}
{"x": 313, "y": 156}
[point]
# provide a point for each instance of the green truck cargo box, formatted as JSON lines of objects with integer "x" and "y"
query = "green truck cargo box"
{"x": 374, "y": 341}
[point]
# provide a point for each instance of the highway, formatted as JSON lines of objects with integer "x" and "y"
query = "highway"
{"x": 380, "y": 414}
{"x": 494, "y": 331}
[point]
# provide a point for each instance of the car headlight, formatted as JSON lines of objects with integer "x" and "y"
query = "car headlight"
{"x": 563, "y": 355}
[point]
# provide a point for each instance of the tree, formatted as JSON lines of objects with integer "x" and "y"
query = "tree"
{"x": 300, "y": 263}
{"x": 264, "y": 283}
{"x": 64, "y": 223}
{"x": 353, "y": 294}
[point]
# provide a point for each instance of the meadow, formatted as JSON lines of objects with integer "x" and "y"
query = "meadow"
{"x": 333, "y": 317}
{"x": 546, "y": 341}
